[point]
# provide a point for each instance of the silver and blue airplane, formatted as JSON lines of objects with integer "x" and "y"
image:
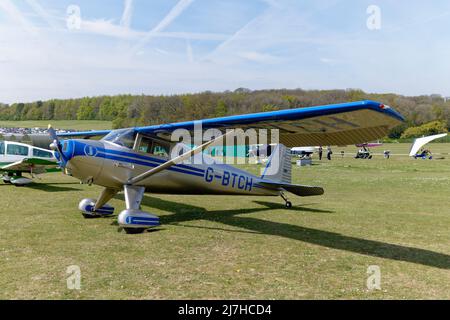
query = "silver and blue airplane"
{"x": 136, "y": 160}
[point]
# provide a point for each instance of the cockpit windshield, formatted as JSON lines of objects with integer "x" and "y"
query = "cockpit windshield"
{"x": 122, "y": 137}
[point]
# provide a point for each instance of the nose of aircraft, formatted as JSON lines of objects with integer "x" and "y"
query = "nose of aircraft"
{"x": 65, "y": 153}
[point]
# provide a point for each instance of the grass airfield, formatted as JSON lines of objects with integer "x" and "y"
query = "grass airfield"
{"x": 390, "y": 213}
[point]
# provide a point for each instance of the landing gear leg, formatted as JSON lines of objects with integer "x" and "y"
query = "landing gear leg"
{"x": 91, "y": 208}
{"x": 288, "y": 203}
{"x": 133, "y": 220}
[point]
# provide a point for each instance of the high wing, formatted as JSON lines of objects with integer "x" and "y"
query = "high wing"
{"x": 337, "y": 124}
{"x": 33, "y": 165}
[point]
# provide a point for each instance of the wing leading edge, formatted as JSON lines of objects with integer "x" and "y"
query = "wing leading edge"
{"x": 336, "y": 124}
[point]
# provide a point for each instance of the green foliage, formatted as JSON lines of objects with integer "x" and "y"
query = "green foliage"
{"x": 430, "y": 128}
{"x": 269, "y": 107}
{"x": 221, "y": 109}
{"x": 129, "y": 110}
{"x": 397, "y": 132}
{"x": 85, "y": 112}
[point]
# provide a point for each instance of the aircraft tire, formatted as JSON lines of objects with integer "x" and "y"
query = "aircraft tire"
{"x": 288, "y": 204}
{"x": 134, "y": 230}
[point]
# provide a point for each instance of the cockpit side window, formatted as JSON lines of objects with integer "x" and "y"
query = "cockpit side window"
{"x": 154, "y": 147}
{"x": 160, "y": 149}
{"x": 124, "y": 137}
{"x": 16, "y": 150}
{"x": 42, "y": 154}
{"x": 2, "y": 148}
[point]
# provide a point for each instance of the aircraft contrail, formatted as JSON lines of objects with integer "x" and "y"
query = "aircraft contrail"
{"x": 171, "y": 16}
{"x": 16, "y": 15}
{"x": 42, "y": 13}
{"x": 127, "y": 14}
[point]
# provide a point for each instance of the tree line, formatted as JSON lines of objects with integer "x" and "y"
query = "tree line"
{"x": 139, "y": 110}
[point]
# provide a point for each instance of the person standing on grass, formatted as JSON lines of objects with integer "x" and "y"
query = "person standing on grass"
{"x": 320, "y": 152}
{"x": 329, "y": 153}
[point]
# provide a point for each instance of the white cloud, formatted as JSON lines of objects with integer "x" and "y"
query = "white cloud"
{"x": 258, "y": 57}
{"x": 108, "y": 28}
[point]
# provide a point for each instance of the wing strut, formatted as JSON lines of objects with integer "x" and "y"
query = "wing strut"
{"x": 176, "y": 160}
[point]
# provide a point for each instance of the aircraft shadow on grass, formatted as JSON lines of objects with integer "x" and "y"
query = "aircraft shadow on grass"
{"x": 54, "y": 187}
{"x": 183, "y": 213}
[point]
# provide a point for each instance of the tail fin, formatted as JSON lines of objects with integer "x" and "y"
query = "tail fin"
{"x": 279, "y": 166}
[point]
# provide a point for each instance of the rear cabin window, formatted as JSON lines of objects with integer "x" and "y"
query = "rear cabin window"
{"x": 2, "y": 148}
{"x": 42, "y": 154}
{"x": 16, "y": 150}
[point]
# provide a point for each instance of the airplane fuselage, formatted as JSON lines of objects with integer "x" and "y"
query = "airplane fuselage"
{"x": 110, "y": 165}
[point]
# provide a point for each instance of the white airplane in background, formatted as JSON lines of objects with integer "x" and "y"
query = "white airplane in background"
{"x": 136, "y": 160}
{"x": 303, "y": 151}
{"x": 18, "y": 158}
{"x": 264, "y": 152}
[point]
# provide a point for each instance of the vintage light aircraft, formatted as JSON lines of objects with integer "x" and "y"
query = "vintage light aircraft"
{"x": 18, "y": 158}
{"x": 136, "y": 160}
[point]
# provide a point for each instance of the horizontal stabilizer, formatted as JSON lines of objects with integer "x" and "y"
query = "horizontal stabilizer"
{"x": 297, "y": 189}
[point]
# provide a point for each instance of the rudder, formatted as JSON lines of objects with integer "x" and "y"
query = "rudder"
{"x": 279, "y": 166}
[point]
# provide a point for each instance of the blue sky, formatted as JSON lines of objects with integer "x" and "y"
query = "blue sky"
{"x": 177, "y": 46}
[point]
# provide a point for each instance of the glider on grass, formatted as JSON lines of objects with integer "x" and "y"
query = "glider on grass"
{"x": 416, "y": 148}
{"x": 136, "y": 160}
{"x": 18, "y": 158}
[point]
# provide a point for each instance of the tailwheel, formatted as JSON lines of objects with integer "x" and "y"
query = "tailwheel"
{"x": 134, "y": 230}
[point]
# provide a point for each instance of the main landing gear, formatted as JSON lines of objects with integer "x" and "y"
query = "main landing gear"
{"x": 288, "y": 204}
{"x": 132, "y": 219}
{"x": 91, "y": 208}
{"x": 16, "y": 179}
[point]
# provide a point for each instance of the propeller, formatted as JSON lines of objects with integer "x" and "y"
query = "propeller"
{"x": 56, "y": 144}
